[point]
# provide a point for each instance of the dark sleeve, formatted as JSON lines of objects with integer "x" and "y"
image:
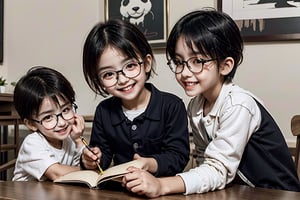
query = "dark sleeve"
{"x": 99, "y": 138}
{"x": 175, "y": 145}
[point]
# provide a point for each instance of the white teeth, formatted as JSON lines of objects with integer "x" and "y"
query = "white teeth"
{"x": 189, "y": 83}
{"x": 127, "y": 88}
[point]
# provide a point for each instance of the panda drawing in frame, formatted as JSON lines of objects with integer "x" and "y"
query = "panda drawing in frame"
{"x": 149, "y": 16}
{"x": 136, "y": 10}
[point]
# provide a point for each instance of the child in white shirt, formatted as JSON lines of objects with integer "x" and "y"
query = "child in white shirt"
{"x": 45, "y": 101}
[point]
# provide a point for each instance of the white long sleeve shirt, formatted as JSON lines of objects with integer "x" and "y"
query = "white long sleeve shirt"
{"x": 220, "y": 137}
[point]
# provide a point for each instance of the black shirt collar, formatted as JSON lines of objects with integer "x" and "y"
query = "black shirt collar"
{"x": 153, "y": 110}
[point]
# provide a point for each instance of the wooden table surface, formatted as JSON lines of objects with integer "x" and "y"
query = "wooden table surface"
{"x": 48, "y": 190}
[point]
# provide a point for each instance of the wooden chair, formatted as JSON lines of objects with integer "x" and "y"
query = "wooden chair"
{"x": 12, "y": 146}
{"x": 8, "y": 116}
{"x": 295, "y": 127}
{"x": 88, "y": 118}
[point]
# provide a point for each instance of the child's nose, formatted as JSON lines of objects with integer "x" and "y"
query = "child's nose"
{"x": 122, "y": 78}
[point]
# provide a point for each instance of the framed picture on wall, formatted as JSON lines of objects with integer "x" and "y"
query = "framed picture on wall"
{"x": 1, "y": 29}
{"x": 150, "y": 16}
{"x": 264, "y": 20}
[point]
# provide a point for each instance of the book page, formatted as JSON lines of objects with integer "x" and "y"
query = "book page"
{"x": 120, "y": 169}
{"x": 93, "y": 178}
{"x": 88, "y": 177}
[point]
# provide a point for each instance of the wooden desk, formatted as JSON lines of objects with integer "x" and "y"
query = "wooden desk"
{"x": 49, "y": 190}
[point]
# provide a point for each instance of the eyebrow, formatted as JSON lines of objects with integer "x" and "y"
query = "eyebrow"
{"x": 124, "y": 61}
{"x": 192, "y": 54}
{"x": 99, "y": 69}
{"x": 52, "y": 110}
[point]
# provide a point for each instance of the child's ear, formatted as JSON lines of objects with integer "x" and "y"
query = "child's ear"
{"x": 148, "y": 63}
{"x": 226, "y": 66}
{"x": 30, "y": 125}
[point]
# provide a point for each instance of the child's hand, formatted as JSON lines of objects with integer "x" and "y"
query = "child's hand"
{"x": 149, "y": 164}
{"x": 89, "y": 158}
{"x": 77, "y": 128}
{"x": 141, "y": 182}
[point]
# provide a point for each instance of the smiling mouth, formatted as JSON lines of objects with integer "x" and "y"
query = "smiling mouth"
{"x": 136, "y": 14}
{"x": 126, "y": 88}
{"x": 190, "y": 83}
{"x": 61, "y": 131}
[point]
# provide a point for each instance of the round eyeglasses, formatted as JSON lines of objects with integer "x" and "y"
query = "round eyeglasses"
{"x": 50, "y": 121}
{"x": 194, "y": 64}
{"x": 130, "y": 70}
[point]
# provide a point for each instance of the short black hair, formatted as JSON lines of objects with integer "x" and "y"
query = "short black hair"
{"x": 40, "y": 82}
{"x": 213, "y": 33}
{"x": 119, "y": 34}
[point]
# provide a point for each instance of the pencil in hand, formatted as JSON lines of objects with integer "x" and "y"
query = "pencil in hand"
{"x": 88, "y": 147}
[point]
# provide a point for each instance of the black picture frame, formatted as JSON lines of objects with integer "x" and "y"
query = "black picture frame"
{"x": 154, "y": 24}
{"x": 1, "y": 29}
{"x": 265, "y": 28}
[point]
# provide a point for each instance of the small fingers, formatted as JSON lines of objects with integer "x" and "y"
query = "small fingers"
{"x": 89, "y": 158}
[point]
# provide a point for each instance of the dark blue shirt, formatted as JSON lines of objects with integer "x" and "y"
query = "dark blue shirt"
{"x": 161, "y": 132}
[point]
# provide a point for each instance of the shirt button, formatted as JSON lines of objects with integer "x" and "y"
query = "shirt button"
{"x": 134, "y": 127}
{"x": 135, "y": 146}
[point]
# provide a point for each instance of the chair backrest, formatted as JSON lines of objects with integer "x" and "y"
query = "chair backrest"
{"x": 295, "y": 127}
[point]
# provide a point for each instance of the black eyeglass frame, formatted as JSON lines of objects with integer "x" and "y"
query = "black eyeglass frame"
{"x": 123, "y": 73}
{"x": 186, "y": 62}
{"x": 74, "y": 106}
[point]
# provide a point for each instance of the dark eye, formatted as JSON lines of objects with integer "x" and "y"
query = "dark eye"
{"x": 107, "y": 75}
{"x": 177, "y": 62}
{"x": 197, "y": 61}
{"x": 48, "y": 118}
{"x": 66, "y": 109}
{"x": 131, "y": 66}
{"x": 125, "y": 2}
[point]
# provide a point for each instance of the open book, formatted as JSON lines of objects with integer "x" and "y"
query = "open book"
{"x": 93, "y": 178}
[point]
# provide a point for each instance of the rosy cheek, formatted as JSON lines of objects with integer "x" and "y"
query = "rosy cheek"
{"x": 72, "y": 121}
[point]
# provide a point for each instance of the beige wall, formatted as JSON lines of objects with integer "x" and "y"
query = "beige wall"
{"x": 52, "y": 32}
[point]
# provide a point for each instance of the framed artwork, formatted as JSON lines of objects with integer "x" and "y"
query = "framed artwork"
{"x": 264, "y": 20}
{"x": 1, "y": 29}
{"x": 150, "y": 16}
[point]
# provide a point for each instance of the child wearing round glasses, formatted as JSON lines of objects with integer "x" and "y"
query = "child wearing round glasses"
{"x": 137, "y": 121}
{"x": 45, "y": 101}
{"x": 236, "y": 139}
